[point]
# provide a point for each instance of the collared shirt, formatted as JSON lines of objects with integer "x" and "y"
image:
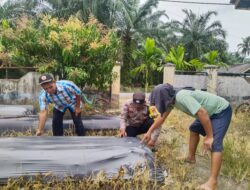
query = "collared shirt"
{"x": 133, "y": 114}
{"x": 64, "y": 98}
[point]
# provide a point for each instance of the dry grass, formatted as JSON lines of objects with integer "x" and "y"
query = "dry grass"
{"x": 140, "y": 180}
{"x": 172, "y": 143}
{"x": 237, "y": 150}
{"x": 236, "y": 157}
{"x": 67, "y": 132}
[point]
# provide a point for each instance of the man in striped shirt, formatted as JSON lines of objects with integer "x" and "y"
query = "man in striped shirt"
{"x": 64, "y": 95}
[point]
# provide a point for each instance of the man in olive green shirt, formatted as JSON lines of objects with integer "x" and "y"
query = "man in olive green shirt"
{"x": 213, "y": 115}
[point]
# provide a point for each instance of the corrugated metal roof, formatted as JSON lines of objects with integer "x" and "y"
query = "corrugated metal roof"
{"x": 239, "y": 68}
{"x": 241, "y": 4}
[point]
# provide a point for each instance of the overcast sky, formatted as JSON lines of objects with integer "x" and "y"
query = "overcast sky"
{"x": 235, "y": 22}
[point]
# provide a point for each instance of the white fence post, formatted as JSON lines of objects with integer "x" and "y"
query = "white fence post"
{"x": 212, "y": 71}
{"x": 169, "y": 73}
{"x": 116, "y": 84}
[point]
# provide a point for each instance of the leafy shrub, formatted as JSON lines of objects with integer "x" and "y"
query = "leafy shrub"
{"x": 71, "y": 49}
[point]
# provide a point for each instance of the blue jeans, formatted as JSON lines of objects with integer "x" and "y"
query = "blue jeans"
{"x": 57, "y": 123}
{"x": 220, "y": 124}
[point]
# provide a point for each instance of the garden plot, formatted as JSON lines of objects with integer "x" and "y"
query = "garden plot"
{"x": 72, "y": 156}
{"x": 21, "y": 118}
{"x": 21, "y": 124}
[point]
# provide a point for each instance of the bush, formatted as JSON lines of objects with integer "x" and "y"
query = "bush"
{"x": 71, "y": 49}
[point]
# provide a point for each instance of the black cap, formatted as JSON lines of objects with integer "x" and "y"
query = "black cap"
{"x": 45, "y": 78}
{"x": 139, "y": 98}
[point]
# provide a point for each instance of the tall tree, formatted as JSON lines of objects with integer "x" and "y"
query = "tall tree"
{"x": 199, "y": 35}
{"x": 232, "y": 58}
{"x": 134, "y": 25}
{"x": 132, "y": 21}
{"x": 13, "y": 10}
{"x": 244, "y": 47}
{"x": 82, "y": 8}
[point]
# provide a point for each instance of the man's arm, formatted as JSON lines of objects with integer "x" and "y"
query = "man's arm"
{"x": 158, "y": 122}
{"x": 42, "y": 119}
{"x": 78, "y": 105}
{"x": 207, "y": 125}
{"x": 124, "y": 115}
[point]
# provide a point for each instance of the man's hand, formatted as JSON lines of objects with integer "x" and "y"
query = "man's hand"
{"x": 42, "y": 119}
{"x": 122, "y": 132}
{"x": 39, "y": 132}
{"x": 208, "y": 142}
{"x": 77, "y": 110}
{"x": 146, "y": 137}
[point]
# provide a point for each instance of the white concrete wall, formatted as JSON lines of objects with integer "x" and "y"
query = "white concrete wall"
{"x": 8, "y": 91}
{"x": 22, "y": 91}
{"x": 196, "y": 81}
{"x": 234, "y": 88}
{"x": 26, "y": 89}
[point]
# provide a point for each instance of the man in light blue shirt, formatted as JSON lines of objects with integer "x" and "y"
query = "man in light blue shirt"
{"x": 64, "y": 95}
{"x": 213, "y": 116}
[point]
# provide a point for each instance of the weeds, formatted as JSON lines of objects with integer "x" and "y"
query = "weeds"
{"x": 67, "y": 132}
{"x": 236, "y": 159}
{"x": 171, "y": 144}
{"x": 236, "y": 155}
{"x": 140, "y": 180}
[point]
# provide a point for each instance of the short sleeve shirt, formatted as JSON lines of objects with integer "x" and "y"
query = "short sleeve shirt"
{"x": 64, "y": 98}
{"x": 190, "y": 102}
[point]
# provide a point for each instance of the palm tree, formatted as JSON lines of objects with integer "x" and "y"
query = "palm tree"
{"x": 176, "y": 56}
{"x": 199, "y": 35}
{"x": 104, "y": 10}
{"x": 211, "y": 58}
{"x": 60, "y": 8}
{"x": 136, "y": 23}
{"x": 150, "y": 59}
{"x": 232, "y": 58}
{"x": 13, "y": 10}
{"x": 244, "y": 47}
{"x": 9, "y": 11}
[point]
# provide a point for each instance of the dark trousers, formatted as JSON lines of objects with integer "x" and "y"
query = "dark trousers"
{"x": 220, "y": 124}
{"x": 133, "y": 131}
{"x": 57, "y": 123}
